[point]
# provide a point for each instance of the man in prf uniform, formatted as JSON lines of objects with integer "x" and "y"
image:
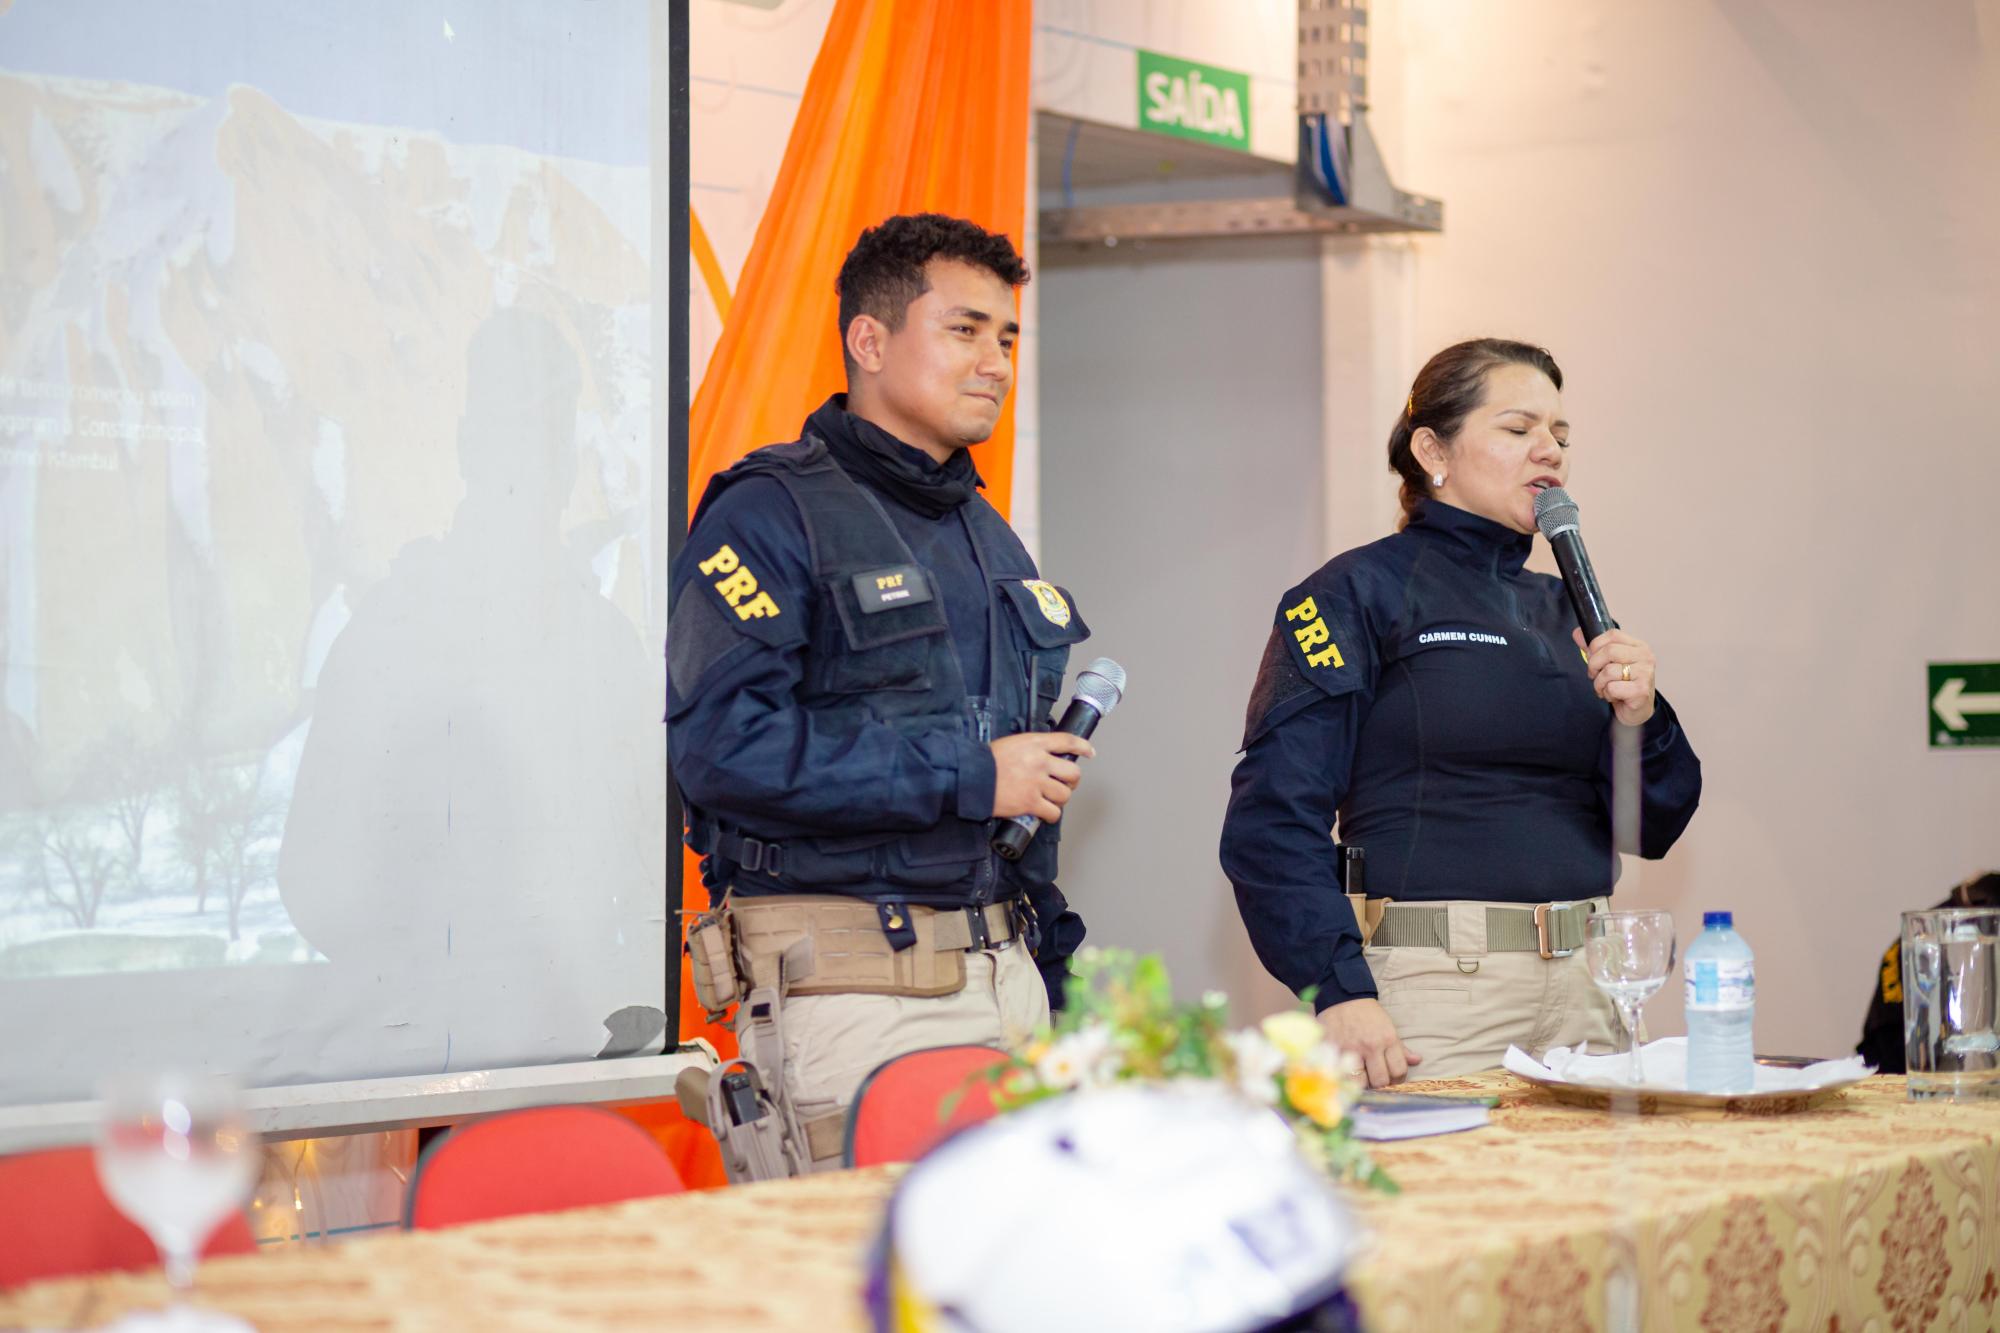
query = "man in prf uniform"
{"x": 862, "y": 665}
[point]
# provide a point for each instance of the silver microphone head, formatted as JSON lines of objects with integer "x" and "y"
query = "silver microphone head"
{"x": 1555, "y": 512}
{"x": 1101, "y": 685}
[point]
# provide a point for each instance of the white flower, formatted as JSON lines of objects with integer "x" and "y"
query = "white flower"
{"x": 1313, "y": 1145}
{"x": 1257, "y": 1065}
{"x": 1081, "y": 1058}
{"x": 1294, "y": 1032}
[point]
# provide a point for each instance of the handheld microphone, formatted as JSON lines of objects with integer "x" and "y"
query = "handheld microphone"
{"x": 1557, "y": 516}
{"x": 1099, "y": 687}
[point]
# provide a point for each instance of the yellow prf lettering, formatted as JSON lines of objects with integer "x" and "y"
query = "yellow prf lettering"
{"x": 757, "y": 608}
{"x": 737, "y": 586}
{"x": 889, "y": 581}
{"x": 723, "y": 561}
{"x": 1330, "y": 653}
{"x": 1314, "y": 633}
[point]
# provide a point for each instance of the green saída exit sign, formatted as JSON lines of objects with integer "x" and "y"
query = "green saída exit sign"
{"x": 1965, "y": 704}
{"x": 1193, "y": 101}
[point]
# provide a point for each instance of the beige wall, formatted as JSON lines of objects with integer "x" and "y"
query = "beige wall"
{"x": 1181, "y": 498}
{"x": 1760, "y": 239}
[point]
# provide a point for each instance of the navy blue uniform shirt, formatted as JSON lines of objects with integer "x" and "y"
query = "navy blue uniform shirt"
{"x": 743, "y": 747}
{"x": 740, "y": 742}
{"x": 1424, "y": 690}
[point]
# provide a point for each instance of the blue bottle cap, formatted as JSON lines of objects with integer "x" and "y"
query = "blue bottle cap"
{"x": 1718, "y": 919}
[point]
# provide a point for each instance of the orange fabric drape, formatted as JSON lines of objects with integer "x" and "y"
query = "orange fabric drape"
{"x": 912, "y": 106}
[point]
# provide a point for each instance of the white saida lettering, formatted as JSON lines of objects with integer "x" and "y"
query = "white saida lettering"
{"x": 1214, "y": 108}
{"x": 1230, "y": 122}
{"x": 1159, "y": 92}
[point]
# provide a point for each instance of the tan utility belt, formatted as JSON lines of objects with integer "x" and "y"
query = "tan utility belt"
{"x": 823, "y": 945}
{"x": 1552, "y": 930}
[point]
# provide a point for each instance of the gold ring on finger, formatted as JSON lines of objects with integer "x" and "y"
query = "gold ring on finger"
{"x": 1625, "y": 672}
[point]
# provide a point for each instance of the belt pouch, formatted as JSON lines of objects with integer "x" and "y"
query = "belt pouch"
{"x": 712, "y": 963}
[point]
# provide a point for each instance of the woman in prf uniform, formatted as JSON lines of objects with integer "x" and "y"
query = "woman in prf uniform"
{"x": 1438, "y": 699}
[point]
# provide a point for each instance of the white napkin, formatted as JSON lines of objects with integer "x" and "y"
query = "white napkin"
{"x": 1666, "y": 1069}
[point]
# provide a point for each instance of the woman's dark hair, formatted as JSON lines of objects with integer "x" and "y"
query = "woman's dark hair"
{"x": 1450, "y": 385}
{"x": 884, "y": 271}
{"x": 1979, "y": 891}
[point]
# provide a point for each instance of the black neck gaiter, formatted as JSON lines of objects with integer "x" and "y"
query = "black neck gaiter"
{"x": 873, "y": 455}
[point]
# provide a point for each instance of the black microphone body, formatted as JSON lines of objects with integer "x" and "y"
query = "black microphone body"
{"x": 1581, "y": 581}
{"x": 1099, "y": 687}
{"x": 1558, "y": 518}
{"x": 1017, "y": 831}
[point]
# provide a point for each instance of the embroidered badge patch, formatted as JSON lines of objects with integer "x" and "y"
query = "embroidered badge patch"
{"x": 1050, "y": 599}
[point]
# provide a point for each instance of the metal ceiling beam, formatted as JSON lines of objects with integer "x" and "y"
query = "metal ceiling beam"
{"x": 1113, "y": 224}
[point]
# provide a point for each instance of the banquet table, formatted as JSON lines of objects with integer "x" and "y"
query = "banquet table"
{"x": 1870, "y": 1212}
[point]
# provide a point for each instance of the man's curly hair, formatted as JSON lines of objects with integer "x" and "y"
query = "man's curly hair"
{"x": 884, "y": 271}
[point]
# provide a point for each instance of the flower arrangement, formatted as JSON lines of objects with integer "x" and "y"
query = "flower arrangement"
{"x": 1121, "y": 1022}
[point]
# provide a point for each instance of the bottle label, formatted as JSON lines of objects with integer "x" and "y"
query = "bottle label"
{"x": 1721, "y": 987}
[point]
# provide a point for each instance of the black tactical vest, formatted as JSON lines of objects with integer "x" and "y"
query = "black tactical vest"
{"x": 877, "y": 657}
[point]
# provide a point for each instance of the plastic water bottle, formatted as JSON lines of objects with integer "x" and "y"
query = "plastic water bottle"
{"x": 1721, "y": 999}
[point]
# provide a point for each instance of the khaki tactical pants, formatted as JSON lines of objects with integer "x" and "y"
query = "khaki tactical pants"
{"x": 1461, "y": 1009}
{"x": 832, "y": 1042}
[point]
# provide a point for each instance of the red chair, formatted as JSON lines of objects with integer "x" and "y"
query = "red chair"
{"x": 895, "y": 1113}
{"x": 535, "y": 1161}
{"x": 55, "y": 1221}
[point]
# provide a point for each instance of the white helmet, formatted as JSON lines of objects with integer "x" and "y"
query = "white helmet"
{"x": 1173, "y": 1208}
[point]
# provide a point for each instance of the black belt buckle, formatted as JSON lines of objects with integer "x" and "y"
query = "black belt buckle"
{"x": 768, "y": 857}
{"x": 1027, "y": 925}
{"x": 975, "y": 922}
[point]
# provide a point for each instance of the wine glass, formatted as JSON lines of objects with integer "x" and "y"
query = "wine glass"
{"x": 176, "y": 1156}
{"x": 1631, "y": 955}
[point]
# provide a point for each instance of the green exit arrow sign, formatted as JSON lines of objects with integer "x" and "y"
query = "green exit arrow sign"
{"x": 1965, "y": 704}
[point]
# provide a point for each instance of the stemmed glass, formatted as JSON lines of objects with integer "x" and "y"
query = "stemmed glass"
{"x": 1631, "y": 954}
{"x": 176, "y": 1156}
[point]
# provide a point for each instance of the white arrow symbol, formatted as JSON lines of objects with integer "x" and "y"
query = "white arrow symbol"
{"x": 1953, "y": 703}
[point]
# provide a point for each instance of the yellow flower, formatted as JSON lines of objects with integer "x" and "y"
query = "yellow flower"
{"x": 1315, "y": 1094}
{"x": 1293, "y": 1032}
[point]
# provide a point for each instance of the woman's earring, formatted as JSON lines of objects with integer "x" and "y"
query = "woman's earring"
{"x": 1437, "y": 478}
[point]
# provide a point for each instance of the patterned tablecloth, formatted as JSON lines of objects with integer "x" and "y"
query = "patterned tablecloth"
{"x": 1870, "y": 1213}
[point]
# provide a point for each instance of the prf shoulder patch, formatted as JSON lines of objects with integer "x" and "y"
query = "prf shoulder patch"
{"x": 1309, "y": 629}
{"x": 737, "y": 585}
{"x": 1309, "y": 655}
